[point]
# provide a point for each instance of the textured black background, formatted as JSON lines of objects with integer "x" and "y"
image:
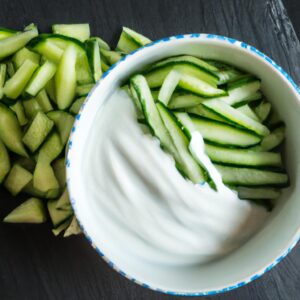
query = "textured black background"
{"x": 34, "y": 264}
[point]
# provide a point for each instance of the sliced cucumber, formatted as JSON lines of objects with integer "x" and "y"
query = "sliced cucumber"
{"x": 77, "y": 31}
{"x": 63, "y": 122}
{"x": 263, "y": 110}
{"x": 44, "y": 179}
{"x": 16, "y": 84}
{"x": 22, "y": 55}
{"x": 49, "y": 50}
{"x": 225, "y": 72}
{"x": 189, "y": 166}
{"x": 59, "y": 168}
{"x": 83, "y": 72}
{"x": 258, "y": 193}
{"x": 17, "y": 179}
{"x": 83, "y": 90}
{"x": 10, "y": 69}
{"x": 38, "y": 131}
{"x": 31, "y": 107}
{"x": 4, "y": 162}
{"x": 30, "y": 211}
{"x": 17, "y": 41}
{"x": 111, "y": 56}
{"x": 273, "y": 140}
{"x": 43, "y": 101}
{"x": 57, "y": 216}
{"x": 74, "y": 109}
{"x": 252, "y": 177}
{"x": 168, "y": 87}
{"x": 40, "y": 78}
{"x": 246, "y": 110}
{"x": 94, "y": 58}
{"x": 152, "y": 116}
{"x": 20, "y": 113}
{"x": 185, "y": 100}
{"x": 243, "y": 157}
{"x": 73, "y": 228}
{"x": 202, "y": 111}
{"x": 52, "y": 147}
{"x": 6, "y": 32}
{"x": 65, "y": 78}
{"x": 10, "y": 131}
{"x": 222, "y": 134}
{"x": 131, "y": 40}
{"x": 235, "y": 116}
{"x": 208, "y": 71}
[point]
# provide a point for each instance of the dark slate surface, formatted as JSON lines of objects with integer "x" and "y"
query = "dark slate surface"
{"x": 34, "y": 264}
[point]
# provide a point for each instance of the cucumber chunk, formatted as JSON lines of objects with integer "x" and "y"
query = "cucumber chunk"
{"x": 65, "y": 78}
{"x": 44, "y": 179}
{"x": 10, "y": 69}
{"x": 189, "y": 166}
{"x": 130, "y": 40}
{"x": 17, "y": 41}
{"x": 235, "y": 116}
{"x": 63, "y": 122}
{"x": 10, "y": 131}
{"x": 4, "y": 162}
{"x": 111, "y": 56}
{"x": 22, "y": 55}
{"x": 74, "y": 109}
{"x": 202, "y": 111}
{"x": 6, "y": 32}
{"x": 64, "y": 202}
{"x": 31, "y": 107}
{"x": 59, "y": 168}
{"x": 30, "y": 211}
{"x": 17, "y": 83}
{"x": 258, "y": 193}
{"x": 77, "y": 31}
{"x": 17, "y": 179}
{"x": 40, "y": 78}
{"x": 20, "y": 112}
{"x": 58, "y": 216}
{"x": 52, "y": 147}
{"x": 3, "y": 69}
{"x": 43, "y": 101}
{"x": 93, "y": 54}
{"x": 242, "y": 157}
{"x": 252, "y": 177}
{"x": 73, "y": 228}
{"x": 38, "y": 131}
{"x": 185, "y": 100}
{"x": 222, "y": 134}
{"x": 101, "y": 43}
{"x": 83, "y": 90}
{"x": 50, "y": 89}
{"x": 273, "y": 140}
{"x": 49, "y": 50}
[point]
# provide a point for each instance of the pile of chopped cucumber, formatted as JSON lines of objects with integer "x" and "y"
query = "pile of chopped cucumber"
{"x": 243, "y": 134}
{"x": 44, "y": 79}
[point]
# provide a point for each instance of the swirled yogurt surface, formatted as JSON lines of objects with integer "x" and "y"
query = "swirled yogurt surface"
{"x": 146, "y": 203}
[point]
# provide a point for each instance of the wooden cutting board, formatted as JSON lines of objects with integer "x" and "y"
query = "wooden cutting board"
{"x": 36, "y": 265}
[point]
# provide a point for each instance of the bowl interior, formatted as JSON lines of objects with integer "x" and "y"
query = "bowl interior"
{"x": 252, "y": 258}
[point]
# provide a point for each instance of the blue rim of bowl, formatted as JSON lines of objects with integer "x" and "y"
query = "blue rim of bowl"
{"x": 77, "y": 119}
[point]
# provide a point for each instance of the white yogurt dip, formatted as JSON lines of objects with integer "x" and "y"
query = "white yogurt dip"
{"x": 148, "y": 205}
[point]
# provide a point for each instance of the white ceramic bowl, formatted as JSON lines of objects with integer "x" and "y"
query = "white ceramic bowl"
{"x": 260, "y": 253}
